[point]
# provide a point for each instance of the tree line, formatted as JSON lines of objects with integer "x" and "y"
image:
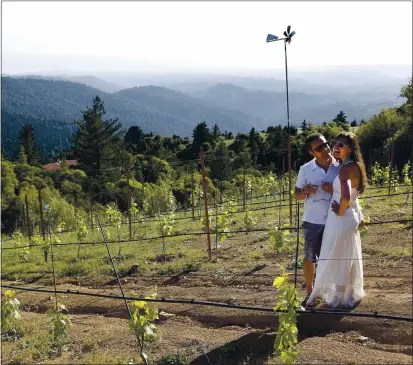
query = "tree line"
{"x": 111, "y": 158}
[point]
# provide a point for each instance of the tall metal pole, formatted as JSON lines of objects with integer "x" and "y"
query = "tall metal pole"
{"x": 205, "y": 203}
{"x": 289, "y": 137}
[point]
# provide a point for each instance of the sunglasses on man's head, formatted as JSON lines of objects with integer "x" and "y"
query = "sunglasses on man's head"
{"x": 321, "y": 147}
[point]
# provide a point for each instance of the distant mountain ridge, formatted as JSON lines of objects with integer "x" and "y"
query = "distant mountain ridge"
{"x": 154, "y": 109}
{"x": 87, "y": 80}
{"x": 169, "y": 106}
{"x": 271, "y": 105}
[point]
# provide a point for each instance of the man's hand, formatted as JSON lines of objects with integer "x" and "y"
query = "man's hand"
{"x": 310, "y": 189}
{"x": 328, "y": 188}
{"x": 301, "y": 194}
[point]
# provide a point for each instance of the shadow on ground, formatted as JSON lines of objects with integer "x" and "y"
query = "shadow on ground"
{"x": 255, "y": 348}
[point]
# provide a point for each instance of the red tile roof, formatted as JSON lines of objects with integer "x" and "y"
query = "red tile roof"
{"x": 56, "y": 165}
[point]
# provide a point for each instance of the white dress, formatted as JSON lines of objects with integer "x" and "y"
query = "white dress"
{"x": 339, "y": 274}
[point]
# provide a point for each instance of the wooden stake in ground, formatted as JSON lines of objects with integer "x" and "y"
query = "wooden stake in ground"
{"x": 192, "y": 192}
{"x": 39, "y": 192}
{"x": 391, "y": 158}
{"x": 91, "y": 209}
{"x": 29, "y": 233}
{"x": 282, "y": 177}
{"x": 205, "y": 203}
{"x": 243, "y": 189}
{"x": 129, "y": 206}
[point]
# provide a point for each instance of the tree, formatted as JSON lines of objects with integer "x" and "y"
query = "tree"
{"x": 201, "y": 135}
{"x": 406, "y": 92}
{"x": 27, "y": 138}
{"x": 353, "y": 123}
{"x": 220, "y": 165}
{"x": 97, "y": 141}
{"x": 304, "y": 125}
{"x": 134, "y": 139}
{"x": 341, "y": 118}
{"x": 375, "y": 135}
{"x": 9, "y": 183}
{"x": 22, "y": 158}
{"x": 216, "y": 132}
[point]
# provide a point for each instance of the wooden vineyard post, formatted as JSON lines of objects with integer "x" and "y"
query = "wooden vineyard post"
{"x": 28, "y": 219}
{"x": 243, "y": 190}
{"x": 216, "y": 227}
{"x": 75, "y": 207}
{"x": 391, "y": 158}
{"x": 206, "y": 203}
{"x": 91, "y": 209}
{"x": 282, "y": 177}
{"x": 39, "y": 192}
{"x": 192, "y": 192}
{"x": 129, "y": 207}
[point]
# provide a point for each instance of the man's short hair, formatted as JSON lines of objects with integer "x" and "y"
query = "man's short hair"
{"x": 311, "y": 138}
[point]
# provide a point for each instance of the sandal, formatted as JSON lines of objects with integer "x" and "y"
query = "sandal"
{"x": 304, "y": 302}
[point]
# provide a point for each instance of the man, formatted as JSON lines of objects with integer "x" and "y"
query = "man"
{"x": 314, "y": 186}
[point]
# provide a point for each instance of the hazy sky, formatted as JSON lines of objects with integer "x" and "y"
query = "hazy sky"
{"x": 202, "y": 35}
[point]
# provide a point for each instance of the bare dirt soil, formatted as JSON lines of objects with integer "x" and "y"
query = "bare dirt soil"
{"x": 212, "y": 335}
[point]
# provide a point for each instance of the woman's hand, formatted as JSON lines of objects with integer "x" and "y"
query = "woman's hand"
{"x": 337, "y": 208}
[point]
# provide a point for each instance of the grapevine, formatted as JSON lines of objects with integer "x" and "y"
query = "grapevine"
{"x": 286, "y": 339}
{"x": 249, "y": 220}
{"x": 141, "y": 324}
{"x": 23, "y": 253}
{"x": 81, "y": 234}
{"x": 115, "y": 219}
{"x": 166, "y": 227}
{"x": 10, "y": 316}
{"x": 59, "y": 327}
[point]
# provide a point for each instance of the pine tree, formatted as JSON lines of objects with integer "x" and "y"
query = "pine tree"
{"x": 134, "y": 139}
{"x": 97, "y": 142}
{"x": 22, "y": 158}
{"x": 220, "y": 165}
{"x": 201, "y": 135}
{"x": 341, "y": 118}
{"x": 216, "y": 132}
{"x": 27, "y": 138}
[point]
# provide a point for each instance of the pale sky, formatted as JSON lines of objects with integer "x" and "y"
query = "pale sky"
{"x": 203, "y": 35}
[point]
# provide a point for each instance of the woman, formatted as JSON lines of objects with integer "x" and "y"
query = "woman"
{"x": 339, "y": 275}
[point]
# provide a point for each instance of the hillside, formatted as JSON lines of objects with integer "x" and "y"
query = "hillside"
{"x": 317, "y": 107}
{"x": 189, "y": 108}
{"x": 156, "y": 110}
{"x": 91, "y": 81}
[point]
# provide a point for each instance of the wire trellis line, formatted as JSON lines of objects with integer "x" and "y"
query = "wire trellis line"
{"x": 218, "y": 304}
{"x": 194, "y": 234}
{"x": 143, "y": 220}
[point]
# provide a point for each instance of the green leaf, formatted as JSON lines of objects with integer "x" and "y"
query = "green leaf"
{"x": 279, "y": 281}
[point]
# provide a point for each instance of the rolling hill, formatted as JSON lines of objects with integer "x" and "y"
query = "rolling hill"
{"x": 154, "y": 109}
{"x": 316, "y": 107}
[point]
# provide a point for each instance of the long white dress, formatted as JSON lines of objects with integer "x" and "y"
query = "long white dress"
{"x": 339, "y": 274}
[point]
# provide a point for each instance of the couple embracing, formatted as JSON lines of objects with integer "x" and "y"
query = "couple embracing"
{"x": 329, "y": 185}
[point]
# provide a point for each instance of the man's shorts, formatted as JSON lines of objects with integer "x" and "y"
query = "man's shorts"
{"x": 313, "y": 236}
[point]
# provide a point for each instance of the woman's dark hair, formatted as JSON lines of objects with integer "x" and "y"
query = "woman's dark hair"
{"x": 356, "y": 155}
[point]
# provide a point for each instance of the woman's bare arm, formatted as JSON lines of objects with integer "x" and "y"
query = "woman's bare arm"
{"x": 345, "y": 183}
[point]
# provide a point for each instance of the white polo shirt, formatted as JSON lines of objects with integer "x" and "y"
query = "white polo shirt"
{"x": 316, "y": 205}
